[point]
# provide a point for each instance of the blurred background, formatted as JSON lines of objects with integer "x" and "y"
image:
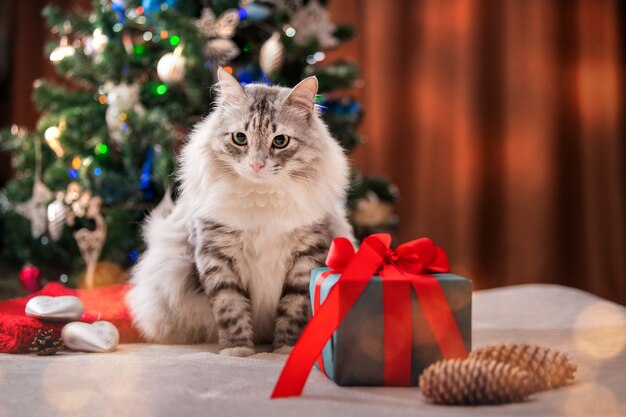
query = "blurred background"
{"x": 500, "y": 122}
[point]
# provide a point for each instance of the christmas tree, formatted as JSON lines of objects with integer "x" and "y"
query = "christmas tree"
{"x": 139, "y": 76}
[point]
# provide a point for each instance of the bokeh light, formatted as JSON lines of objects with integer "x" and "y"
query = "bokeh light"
{"x": 600, "y": 330}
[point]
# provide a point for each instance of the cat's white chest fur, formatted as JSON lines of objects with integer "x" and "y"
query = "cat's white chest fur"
{"x": 263, "y": 266}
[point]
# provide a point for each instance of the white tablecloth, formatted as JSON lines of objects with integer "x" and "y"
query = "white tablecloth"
{"x": 162, "y": 380}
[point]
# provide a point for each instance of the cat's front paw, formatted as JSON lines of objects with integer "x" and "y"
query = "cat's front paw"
{"x": 283, "y": 350}
{"x": 239, "y": 351}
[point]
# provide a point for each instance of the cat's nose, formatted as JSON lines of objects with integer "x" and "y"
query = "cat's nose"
{"x": 257, "y": 166}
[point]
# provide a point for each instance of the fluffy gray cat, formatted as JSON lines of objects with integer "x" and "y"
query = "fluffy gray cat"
{"x": 262, "y": 181}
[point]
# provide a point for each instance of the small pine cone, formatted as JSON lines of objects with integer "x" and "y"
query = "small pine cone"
{"x": 45, "y": 344}
{"x": 474, "y": 382}
{"x": 548, "y": 368}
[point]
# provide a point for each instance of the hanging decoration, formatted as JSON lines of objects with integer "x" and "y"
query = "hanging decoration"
{"x": 35, "y": 209}
{"x": 121, "y": 98}
{"x": 219, "y": 48}
{"x": 146, "y": 184}
{"x": 312, "y": 22}
{"x": 272, "y": 54}
{"x": 30, "y": 278}
{"x": 90, "y": 242}
{"x": 371, "y": 211}
{"x": 99, "y": 41}
{"x": 56, "y": 217}
{"x": 52, "y": 136}
{"x": 171, "y": 67}
{"x": 64, "y": 50}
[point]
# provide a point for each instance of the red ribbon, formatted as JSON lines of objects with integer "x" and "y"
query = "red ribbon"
{"x": 412, "y": 263}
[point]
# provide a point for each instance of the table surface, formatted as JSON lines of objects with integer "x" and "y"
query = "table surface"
{"x": 189, "y": 380}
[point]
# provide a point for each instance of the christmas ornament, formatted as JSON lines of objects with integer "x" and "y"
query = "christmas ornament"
{"x": 64, "y": 50}
{"x": 119, "y": 7}
{"x": 63, "y": 308}
{"x": 106, "y": 273}
{"x": 312, "y": 22}
{"x": 152, "y": 6}
{"x": 100, "y": 336}
{"x": 256, "y": 12}
{"x": 36, "y": 208}
{"x": 547, "y": 368}
{"x": 77, "y": 201}
{"x": 99, "y": 41}
{"x": 272, "y": 54}
{"x": 219, "y": 48}
{"x": 52, "y": 136}
{"x": 474, "y": 382}
{"x": 56, "y": 217}
{"x": 90, "y": 242}
{"x": 46, "y": 343}
{"x": 224, "y": 27}
{"x": 146, "y": 184}
{"x": 121, "y": 98}
{"x": 30, "y": 278}
{"x": 371, "y": 211}
{"x": 171, "y": 67}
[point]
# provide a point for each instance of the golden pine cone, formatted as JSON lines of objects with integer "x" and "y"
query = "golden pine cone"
{"x": 45, "y": 343}
{"x": 548, "y": 368}
{"x": 474, "y": 382}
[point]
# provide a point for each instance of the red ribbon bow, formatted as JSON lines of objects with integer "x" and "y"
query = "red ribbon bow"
{"x": 411, "y": 262}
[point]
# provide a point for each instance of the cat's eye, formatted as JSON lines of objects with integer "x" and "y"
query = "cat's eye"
{"x": 240, "y": 138}
{"x": 280, "y": 141}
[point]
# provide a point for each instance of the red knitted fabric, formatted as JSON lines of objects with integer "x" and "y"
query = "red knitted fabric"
{"x": 17, "y": 331}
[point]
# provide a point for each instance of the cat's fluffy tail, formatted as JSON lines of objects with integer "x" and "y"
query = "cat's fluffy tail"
{"x": 165, "y": 304}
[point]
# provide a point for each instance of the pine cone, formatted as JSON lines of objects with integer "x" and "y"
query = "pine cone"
{"x": 549, "y": 369}
{"x": 474, "y": 382}
{"x": 45, "y": 344}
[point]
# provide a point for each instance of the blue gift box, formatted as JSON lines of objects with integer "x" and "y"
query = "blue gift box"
{"x": 354, "y": 355}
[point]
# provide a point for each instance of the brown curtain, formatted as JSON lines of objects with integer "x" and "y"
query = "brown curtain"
{"x": 502, "y": 124}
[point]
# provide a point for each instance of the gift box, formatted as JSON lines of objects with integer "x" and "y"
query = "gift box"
{"x": 380, "y": 316}
{"x": 355, "y": 354}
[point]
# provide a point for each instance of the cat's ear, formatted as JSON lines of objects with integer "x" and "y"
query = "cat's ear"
{"x": 303, "y": 95}
{"x": 230, "y": 89}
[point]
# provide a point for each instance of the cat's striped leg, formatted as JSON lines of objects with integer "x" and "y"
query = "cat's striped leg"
{"x": 220, "y": 279}
{"x": 294, "y": 307}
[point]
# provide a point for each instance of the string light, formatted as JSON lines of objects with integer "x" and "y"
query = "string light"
{"x": 134, "y": 255}
{"x": 97, "y": 171}
{"x": 290, "y": 32}
{"x": 174, "y": 40}
{"x": 247, "y": 48}
{"x": 161, "y": 89}
{"x": 319, "y": 56}
{"x": 164, "y": 34}
{"x": 147, "y": 36}
{"x": 139, "y": 49}
{"x": 243, "y": 13}
{"x": 102, "y": 99}
{"x": 123, "y": 116}
{"x": 73, "y": 174}
{"x": 228, "y": 69}
{"x": 76, "y": 162}
{"x": 102, "y": 149}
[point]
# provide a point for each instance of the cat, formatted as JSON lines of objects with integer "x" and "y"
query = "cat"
{"x": 262, "y": 185}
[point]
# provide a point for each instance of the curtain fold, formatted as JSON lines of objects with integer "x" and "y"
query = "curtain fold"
{"x": 502, "y": 124}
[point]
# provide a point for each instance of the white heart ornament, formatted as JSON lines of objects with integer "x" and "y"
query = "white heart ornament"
{"x": 63, "y": 308}
{"x": 100, "y": 336}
